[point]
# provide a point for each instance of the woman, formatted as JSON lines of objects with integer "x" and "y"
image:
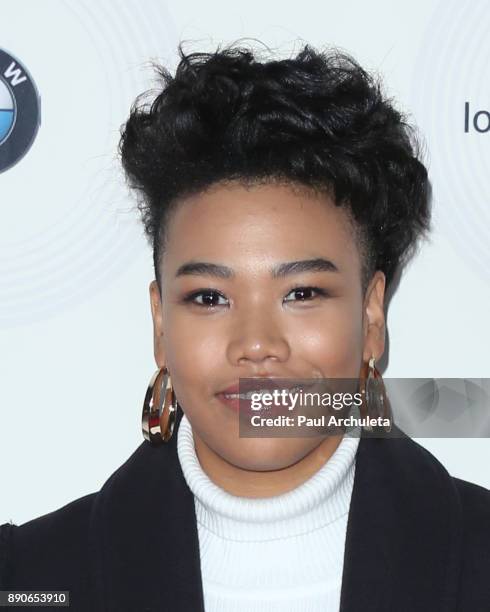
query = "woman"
{"x": 280, "y": 198}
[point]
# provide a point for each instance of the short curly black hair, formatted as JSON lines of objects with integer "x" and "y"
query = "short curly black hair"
{"x": 318, "y": 120}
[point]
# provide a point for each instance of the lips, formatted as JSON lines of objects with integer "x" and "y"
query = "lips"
{"x": 260, "y": 384}
{"x": 236, "y": 404}
{"x": 244, "y": 406}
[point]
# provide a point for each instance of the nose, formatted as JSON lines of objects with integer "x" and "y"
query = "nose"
{"x": 257, "y": 339}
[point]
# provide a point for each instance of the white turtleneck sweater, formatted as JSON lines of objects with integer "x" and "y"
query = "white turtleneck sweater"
{"x": 283, "y": 553}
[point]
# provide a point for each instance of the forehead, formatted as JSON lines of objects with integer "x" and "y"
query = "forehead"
{"x": 240, "y": 223}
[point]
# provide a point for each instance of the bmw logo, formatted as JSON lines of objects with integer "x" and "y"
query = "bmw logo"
{"x": 20, "y": 111}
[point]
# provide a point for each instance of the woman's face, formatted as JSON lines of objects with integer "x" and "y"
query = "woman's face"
{"x": 248, "y": 323}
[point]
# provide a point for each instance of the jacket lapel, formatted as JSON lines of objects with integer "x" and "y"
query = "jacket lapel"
{"x": 144, "y": 539}
{"x": 403, "y": 536}
{"x": 402, "y": 547}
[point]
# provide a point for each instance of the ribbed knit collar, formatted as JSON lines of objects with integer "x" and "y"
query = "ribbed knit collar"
{"x": 320, "y": 500}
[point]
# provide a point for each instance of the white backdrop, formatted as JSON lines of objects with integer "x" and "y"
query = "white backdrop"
{"x": 75, "y": 325}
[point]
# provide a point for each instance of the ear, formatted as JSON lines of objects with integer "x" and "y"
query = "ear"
{"x": 374, "y": 318}
{"x": 158, "y": 324}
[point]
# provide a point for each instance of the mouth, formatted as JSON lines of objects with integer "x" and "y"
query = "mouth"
{"x": 236, "y": 403}
{"x": 269, "y": 383}
{"x": 249, "y": 402}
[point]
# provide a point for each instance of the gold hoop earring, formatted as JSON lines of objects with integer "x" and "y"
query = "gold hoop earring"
{"x": 375, "y": 402}
{"x": 159, "y": 408}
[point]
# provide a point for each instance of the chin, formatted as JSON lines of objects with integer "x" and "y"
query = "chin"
{"x": 267, "y": 454}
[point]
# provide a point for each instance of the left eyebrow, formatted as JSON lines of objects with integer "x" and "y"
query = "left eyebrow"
{"x": 319, "y": 264}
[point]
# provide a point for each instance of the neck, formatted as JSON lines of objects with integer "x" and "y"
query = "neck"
{"x": 251, "y": 483}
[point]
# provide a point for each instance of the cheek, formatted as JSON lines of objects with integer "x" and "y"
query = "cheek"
{"x": 333, "y": 342}
{"x": 193, "y": 358}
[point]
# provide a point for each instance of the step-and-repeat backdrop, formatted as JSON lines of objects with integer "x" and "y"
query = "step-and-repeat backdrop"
{"x": 75, "y": 325}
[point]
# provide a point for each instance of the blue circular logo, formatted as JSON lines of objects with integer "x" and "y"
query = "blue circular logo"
{"x": 20, "y": 114}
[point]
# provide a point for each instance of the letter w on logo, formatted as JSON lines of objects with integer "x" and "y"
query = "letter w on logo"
{"x": 14, "y": 75}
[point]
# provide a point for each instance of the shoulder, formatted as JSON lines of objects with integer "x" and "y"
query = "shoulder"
{"x": 58, "y": 547}
{"x": 412, "y": 470}
{"x": 475, "y": 507}
{"x": 472, "y": 531}
{"x": 475, "y": 545}
{"x": 445, "y": 518}
{"x": 475, "y": 499}
{"x": 49, "y": 547}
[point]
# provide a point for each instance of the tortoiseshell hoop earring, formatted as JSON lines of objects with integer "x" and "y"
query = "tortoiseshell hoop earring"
{"x": 375, "y": 402}
{"x": 159, "y": 408}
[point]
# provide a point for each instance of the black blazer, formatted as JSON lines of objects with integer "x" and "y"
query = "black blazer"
{"x": 418, "y": 539}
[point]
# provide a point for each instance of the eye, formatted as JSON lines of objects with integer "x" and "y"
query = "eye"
{"x": 305, "y": 293}
{"x": 209, "y": 298}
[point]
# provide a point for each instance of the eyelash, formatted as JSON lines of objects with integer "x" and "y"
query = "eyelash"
{"x": 191, "y": 297}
